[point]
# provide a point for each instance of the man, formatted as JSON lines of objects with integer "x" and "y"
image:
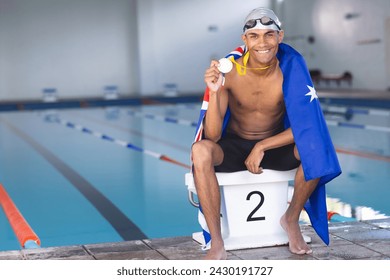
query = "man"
{"x": 257, "y": 136}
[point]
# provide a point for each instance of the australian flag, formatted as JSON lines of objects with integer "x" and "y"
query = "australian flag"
{"x": 311, "y": 135}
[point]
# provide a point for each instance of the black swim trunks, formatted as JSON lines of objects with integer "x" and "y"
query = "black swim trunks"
{"x": 237, "y": 149}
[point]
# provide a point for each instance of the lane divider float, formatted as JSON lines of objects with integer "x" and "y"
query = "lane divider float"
{"x": 162, "y": 118}
{"x": 26, "y": 236}
{"x": 358, "y": 126}
{"x": 168, "y": 159}
{"x": 360, "y": 111}
{"x": 336, "y": 217}
{"x": 329, "y": 122}
{"x": 119, "y": 142}
{"x": 363, "y": 154}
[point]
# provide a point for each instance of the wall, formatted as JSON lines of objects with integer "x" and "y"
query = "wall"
{"x": 2, "y": 57}
{"x": 76, "y": 46}
{"x": 176, "y": 43}
{"x": 387, "y": 46}
{"x": 350, "y": 35}
{"x": 79, "y": 46}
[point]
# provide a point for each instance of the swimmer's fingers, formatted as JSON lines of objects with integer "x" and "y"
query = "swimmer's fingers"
{"x": 253, "y": 161}
{"x": 213, "y": 77}
{"x": 214, "y": 63}
{"x": 256, "y": 170}
{"x": 213, "y": 71}
{"x": 253, "y": 167}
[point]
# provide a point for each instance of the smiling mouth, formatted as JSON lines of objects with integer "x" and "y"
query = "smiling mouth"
{"x": 264, "y": 51}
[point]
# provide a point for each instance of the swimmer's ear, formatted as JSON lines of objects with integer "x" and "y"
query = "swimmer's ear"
{"x": 281, "y": 35}
{"x": 243, "y": 37}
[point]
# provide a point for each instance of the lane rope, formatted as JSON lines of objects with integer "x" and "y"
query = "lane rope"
{"x": 141, "y": 134}
{"x": 118, "y": 142}
{"x": 168, "y": 159}
{"x": 26, "y": 236}
{"x": 161, "y": 118}
{"x": 329, "y": 122}
{"x": 360, "y": 111}
{"x": 358, "y": 126}
{"x": 363, "y": 154}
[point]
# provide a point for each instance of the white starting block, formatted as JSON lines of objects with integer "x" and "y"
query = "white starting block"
{"x": 251, "y": 207}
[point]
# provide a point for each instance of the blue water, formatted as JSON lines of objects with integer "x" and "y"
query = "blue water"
{"x": 364, "y": 181}
{"x": 148, "y": 191}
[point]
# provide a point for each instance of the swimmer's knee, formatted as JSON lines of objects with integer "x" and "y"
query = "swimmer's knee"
{"x": 199, "y": 146}
{"x": 201, "y": 150}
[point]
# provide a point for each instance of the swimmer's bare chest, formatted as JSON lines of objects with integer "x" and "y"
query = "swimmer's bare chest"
{"x": 256, "y": 106}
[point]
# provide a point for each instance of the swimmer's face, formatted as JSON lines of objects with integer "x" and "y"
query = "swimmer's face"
{"x": 263, "y": 44}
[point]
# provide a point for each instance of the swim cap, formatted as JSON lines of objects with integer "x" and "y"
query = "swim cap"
{"x": 262, "y": 18}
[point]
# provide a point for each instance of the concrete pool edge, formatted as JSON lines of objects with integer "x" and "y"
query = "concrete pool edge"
{"x": 364, "y": 240}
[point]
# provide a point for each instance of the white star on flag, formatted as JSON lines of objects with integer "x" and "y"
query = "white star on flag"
{"x": 312, "y": 93}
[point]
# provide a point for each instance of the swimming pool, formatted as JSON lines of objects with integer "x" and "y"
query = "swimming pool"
{"x": 362, "y": 141}
{"x": 95, "y": 175}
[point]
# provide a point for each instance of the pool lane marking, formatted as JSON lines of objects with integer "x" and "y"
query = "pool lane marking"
{"x": 358, "y": 126}
{"x": 363, "y": 154}
{"x": 119, "y": 221}
{"x": 339, "y": 150}
{"x": 24, "y": 233}
{"x": 360, "y": 111}
{"x": 161, "y": 118}
{"x": 193, "y": 124}
{"x": 135, "y": 132}
{"x": 119, "y": 142}
{"x": 329, "y": 122}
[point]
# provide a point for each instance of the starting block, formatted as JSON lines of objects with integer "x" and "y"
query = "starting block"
{"x": 251, "y": 207}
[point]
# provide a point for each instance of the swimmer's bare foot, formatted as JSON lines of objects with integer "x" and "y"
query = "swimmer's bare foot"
{"x": 216, "y": 253}
{"x": 297, "y": 244}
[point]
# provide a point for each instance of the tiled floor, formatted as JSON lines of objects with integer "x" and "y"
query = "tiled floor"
{"x": 348, "y": 241}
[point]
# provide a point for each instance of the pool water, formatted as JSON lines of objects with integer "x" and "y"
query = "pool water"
{"x": 95, "y": 175}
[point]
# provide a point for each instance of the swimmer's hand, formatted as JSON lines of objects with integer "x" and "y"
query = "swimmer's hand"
{"x": 213, "y": 77}
{"x": 254, "y": 159}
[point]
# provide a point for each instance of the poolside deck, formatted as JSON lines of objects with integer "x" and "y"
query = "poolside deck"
{"x": 368, "y": 240}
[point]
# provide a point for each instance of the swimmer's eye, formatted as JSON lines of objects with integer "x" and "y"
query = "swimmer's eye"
{"x": 253, "y": 36}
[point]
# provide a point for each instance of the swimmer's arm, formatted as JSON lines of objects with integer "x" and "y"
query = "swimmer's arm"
{"x": 218, "y": 103}
{"x": 255, "y": 157}
{"x": 282, "y": 139}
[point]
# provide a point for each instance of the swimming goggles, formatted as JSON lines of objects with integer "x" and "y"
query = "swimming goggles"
{"x": 263, "y": 20}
